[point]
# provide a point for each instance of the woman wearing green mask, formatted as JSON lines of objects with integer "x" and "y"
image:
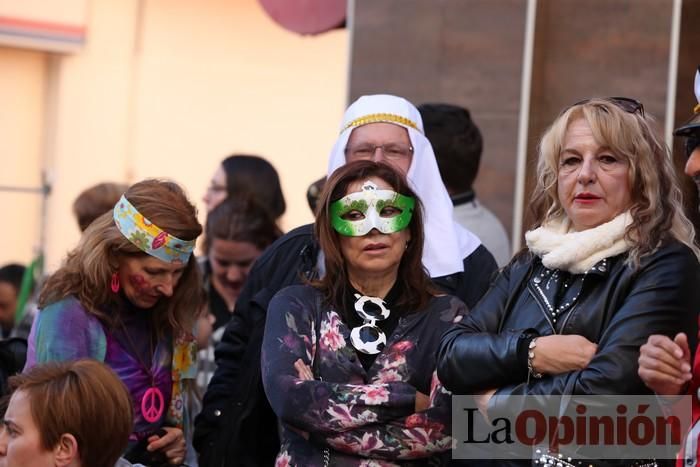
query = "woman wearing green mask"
{"x": 349, "y": 360}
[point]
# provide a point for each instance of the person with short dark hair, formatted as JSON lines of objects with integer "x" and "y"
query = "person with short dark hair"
{"x": 10, "y": 284}
{"x": 458, "y": 145}
{"x": 73, "y": 414}
{"x": 13, "y": 342}
{"x": 92, "y": 202}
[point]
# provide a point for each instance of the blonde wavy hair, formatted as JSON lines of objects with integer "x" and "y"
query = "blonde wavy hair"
{"x": 87, "y": 270}
{"x": 657, "y": 201}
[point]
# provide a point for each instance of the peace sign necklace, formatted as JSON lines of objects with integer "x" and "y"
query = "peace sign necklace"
{"x": 152, "y": 402}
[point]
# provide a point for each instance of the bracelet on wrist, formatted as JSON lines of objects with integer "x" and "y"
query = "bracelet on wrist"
{"x": 530, "y": 356}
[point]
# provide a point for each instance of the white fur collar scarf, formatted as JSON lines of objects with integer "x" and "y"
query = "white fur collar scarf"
{"x": 577, "y": 252}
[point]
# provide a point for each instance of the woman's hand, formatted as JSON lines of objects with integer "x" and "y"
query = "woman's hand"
{"x": 172, "y": 444}
{"x": 558, "y": 353}
{"x": 422, "y": 401}
{"x": 303, "y": 370}
{"x": 482, "y": 400}
{"x": 305, "y": 373}
{"x": 664, "y": 364}
{"x": 203, "y": 329}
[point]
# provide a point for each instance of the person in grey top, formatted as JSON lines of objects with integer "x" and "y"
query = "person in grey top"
{"x": 457, "y": 143}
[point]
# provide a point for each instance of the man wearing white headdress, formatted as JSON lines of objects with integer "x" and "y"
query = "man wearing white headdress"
{"x": 237, "y": 426}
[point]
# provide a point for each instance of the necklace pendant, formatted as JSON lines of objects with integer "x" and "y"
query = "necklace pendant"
{"x": 152, "y": 405}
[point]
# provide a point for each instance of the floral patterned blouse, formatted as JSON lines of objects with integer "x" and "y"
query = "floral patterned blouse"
{"x": 347, "y": 416}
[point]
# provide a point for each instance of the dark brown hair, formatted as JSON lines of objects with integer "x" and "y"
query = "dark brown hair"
{"x": 253, "y": 175}
{"x": 456, "y": 142}
{"x": 87, "y": 270}
{"x": 84, "y": 398}
{"x": 412, "y": 276}
{"x": 243, "y": 220}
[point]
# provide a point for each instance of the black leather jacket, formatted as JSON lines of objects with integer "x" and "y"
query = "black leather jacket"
{"x": 618, "y": 308}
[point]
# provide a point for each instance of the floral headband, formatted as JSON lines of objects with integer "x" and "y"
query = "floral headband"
{"x": 148, "y": 237}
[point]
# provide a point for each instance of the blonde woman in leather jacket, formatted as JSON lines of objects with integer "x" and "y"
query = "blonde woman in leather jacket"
{"x": 610, "y": 261}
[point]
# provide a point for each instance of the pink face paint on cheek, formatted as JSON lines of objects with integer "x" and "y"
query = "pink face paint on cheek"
{"x": 139, "y": 283}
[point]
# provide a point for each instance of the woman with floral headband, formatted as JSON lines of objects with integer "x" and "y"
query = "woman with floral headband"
{"x": 348, "y": 361}
{"x": 126, "y": 296}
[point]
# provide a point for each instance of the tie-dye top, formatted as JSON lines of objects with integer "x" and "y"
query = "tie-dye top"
{"x": 64, "y": 330}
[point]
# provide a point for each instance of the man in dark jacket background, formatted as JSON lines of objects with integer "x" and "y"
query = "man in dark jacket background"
{"x": 237, "y": 426}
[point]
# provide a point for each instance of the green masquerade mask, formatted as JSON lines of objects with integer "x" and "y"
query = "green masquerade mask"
{"x": 356, "y": 214}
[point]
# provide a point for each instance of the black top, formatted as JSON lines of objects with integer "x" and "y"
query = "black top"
{"x": 218, "y": 308}
{"x": 352, "y": 319}
{"x": 134, "y": 332}
{"x": 217, "y": 304}
{"x": 616, "y": 306}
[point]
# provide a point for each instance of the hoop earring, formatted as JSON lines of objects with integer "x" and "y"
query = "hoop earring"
{"x": 115, "y": 285}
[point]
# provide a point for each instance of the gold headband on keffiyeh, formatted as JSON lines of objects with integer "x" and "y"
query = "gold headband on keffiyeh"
{"x": 382, "y": 118}
{"x": 148, "y": 237}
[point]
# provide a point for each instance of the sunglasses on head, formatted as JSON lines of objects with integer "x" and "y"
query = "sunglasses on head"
{"x": 625, "y": 103}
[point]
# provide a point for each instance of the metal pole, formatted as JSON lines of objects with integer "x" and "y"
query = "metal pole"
{"x": 672, "y": 72}
{"x": 43, "y": 223}
{"x": 22, "y": 189}
{"x": 350, "y": 26}
{"x": 44, "y": 191}
{"x": 523, "y": 124}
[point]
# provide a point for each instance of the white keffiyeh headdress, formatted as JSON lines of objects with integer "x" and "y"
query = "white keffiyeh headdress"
{"x": 446, "y": 242}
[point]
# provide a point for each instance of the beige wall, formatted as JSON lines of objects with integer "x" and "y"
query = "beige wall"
{"x": 69, "y": 12}
{"x": 167, "y": 88}
{"x": 21, "y": 107}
